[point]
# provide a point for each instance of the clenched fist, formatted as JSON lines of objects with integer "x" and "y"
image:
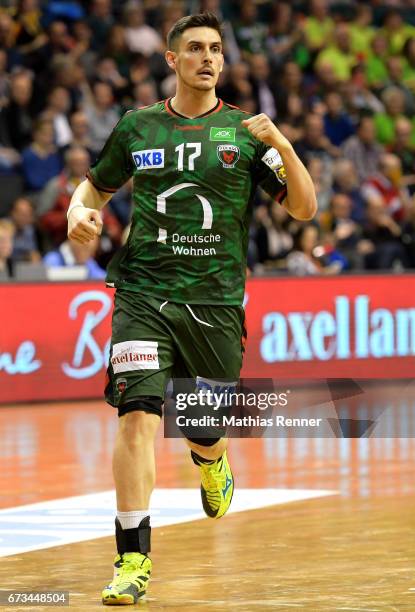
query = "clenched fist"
{"x": 84, "y": 224}
{"x": 266, "y": 131}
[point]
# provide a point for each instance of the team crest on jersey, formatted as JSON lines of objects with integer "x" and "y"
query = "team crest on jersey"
{"x": 228, "y": 155}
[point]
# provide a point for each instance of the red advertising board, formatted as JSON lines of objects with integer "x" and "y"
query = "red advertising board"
{"x": 54, "y": 338}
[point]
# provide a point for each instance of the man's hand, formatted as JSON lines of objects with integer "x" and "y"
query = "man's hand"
{"x": 84, "y": 224}
{"x": 266, "y": 131}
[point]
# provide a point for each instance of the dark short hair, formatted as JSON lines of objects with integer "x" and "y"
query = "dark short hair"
{"x": 202, "y": 20}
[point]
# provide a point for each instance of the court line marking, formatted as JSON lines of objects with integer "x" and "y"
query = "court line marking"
{"x": 84, "y": 517}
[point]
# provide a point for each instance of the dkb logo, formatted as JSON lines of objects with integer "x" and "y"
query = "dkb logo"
{"x": 150, "y": 158}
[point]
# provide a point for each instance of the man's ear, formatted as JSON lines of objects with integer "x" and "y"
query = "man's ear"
{"x": 170, "y": 58}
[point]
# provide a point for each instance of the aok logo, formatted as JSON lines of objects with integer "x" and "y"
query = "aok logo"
{"x": 149, "y": 158}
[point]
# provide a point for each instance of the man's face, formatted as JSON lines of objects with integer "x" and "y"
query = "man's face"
{"x": 198, "y": 59}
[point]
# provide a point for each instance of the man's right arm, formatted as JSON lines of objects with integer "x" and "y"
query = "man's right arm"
{"x": 84, "y": 218}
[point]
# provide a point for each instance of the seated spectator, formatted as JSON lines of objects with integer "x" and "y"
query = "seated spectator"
{"x": 81, "y": 51}
{"x": 16, "y": 119}
{"x": 25, "y": 240}
{"x": 106, "y": 70}
{"x": 235, "y": 82}
{"x": 7, "y": 41}
{"x": 403, "y": 148}
{"x": 322, "y": 180}
{"x": 250, "y": 33}
{"x": 357, "y": 96}
{"x": 337, "y": 124}
{"x": 41, "y": 160}
{"x": 56, "y": 196}
{"x": 347, "y": 234}
{"x": 396, "y": 31}
{"x": 100, "y": 21}
{"x": 386, "y": 236}
{"x": 362, "y": 31}
{"x": 386, "y": 186}
{"x": 262, "y": 85}
{"x": 140, "y": 37}
{"x": 78, "y": 122}
{"x": 339, "y": 54}
{"x": 393, "y": 99}
{"x": 375, "y": 64}
{"x": 57, "y": 109}
{"x": 409, "y": 64}
{"x": 363, "y": 150}
{"x": 71, "y": 253}
{"x": 314, "y": 142}
{"x": 318, "y": 25}
{"x": 345, "y": 181}
{"x": 283, "y": 35}
{"x": 309, "y": 257}
{"x": 30, "y": 35}
{"x": 395, "y": 65}
{"x": 273, "y": 239}
{"x": 144, "y": 94}
{"x": 117, "y": 49}
{"x": 6, "y": 248}
{"x": 102, "y": 115}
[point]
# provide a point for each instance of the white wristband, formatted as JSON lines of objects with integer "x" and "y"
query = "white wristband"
{"x": 72, "y": 206}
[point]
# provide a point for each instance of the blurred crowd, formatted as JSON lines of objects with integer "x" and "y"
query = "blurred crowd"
{"x": 338, "y": 79}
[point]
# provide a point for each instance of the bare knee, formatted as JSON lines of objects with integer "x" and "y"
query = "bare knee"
{"x": 137, "y": 427}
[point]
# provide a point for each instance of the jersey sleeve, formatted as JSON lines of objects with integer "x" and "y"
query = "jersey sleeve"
{"x": 268, "y": 172}
{"x": 114, "y": 165}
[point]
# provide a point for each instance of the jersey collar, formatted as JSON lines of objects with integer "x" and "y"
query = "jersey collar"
{"x": 168, "y": 107}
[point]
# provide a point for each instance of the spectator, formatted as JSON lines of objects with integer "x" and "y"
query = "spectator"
{"x": 314, "y": 142}
{"x": 394, "y": 65}
{"x": 55, "y": 197}
{"x": 346, "y": 181}
{"x": 250, "y": 33}
{"x": 235, "y": 83}
{"x": 306, "y": 258}
{"x": 283, "y": 35}
{"x": 30, "y": 36}
{"x": 339, "y": 54}
{"x": 25, "y": 239}
{"x": 100, "y": 21}
{"x": 82, "y": 51}
{"x": 102, "y": 115}
{"x": 263, "y": 88}
{"x": 376, "y": 70}
{"x": 144, "y": 94}
{"x": 57, "y": 109}
{"x": 363, "y": 150}
{"x": 273, "y": 238}
{"x": 394, "y": 100}
{"x": 117, "y": 49}
{"x": 78, "y": 122}
{"x": 386, "y": 236}
{"x": 6, "y": 248}
{"x": 386, "y": 186}
{"x": 361, "y": 31}
{"x": 41, "y": 160}
{"x": 403, "y": 148}
{"x": 7, "y": 41}
{"x": 318, "y": 26}
{"x": 396, "y": 31}
{"x": 409, "y": 64}
{"x": 16, "y": 119}
{"x": 140, "y": 37}
{"x": 337, "y": 124}
{"x": 76, "y": 254}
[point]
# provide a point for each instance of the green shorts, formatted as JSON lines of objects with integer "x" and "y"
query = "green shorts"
{"x": 155, "y": 341}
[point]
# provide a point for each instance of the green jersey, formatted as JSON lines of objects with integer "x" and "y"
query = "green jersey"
{"x": 194, "y": 182}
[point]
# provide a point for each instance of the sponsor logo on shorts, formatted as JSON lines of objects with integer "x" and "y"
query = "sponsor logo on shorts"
{"x": 223, "y": 134}
{"x": 121, "y": 384}
{"x": 149, "y": 158}
{"x": 228, "y": 155}
{"x": 135, "y": 355}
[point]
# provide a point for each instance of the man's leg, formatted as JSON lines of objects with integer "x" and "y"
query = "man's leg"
{"x": 134, "y": 476}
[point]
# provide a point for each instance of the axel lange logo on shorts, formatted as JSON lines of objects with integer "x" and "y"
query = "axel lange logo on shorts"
{"x": 134, "y": 355}
{"x": 228, "y": 155}
{"x": 149, "y": 158}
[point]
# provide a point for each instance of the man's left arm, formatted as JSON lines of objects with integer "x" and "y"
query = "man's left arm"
{"x": 301, "y": 201}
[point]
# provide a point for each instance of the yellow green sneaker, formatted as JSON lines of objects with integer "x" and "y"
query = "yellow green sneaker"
{"x": 131, "y": 575}
{"x": 216, "y": 486}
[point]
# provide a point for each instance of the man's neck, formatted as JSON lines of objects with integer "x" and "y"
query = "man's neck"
{"x": 192, "y": 103}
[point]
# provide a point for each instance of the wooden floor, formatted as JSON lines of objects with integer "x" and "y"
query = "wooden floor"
{"x": 351, "y": 551}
